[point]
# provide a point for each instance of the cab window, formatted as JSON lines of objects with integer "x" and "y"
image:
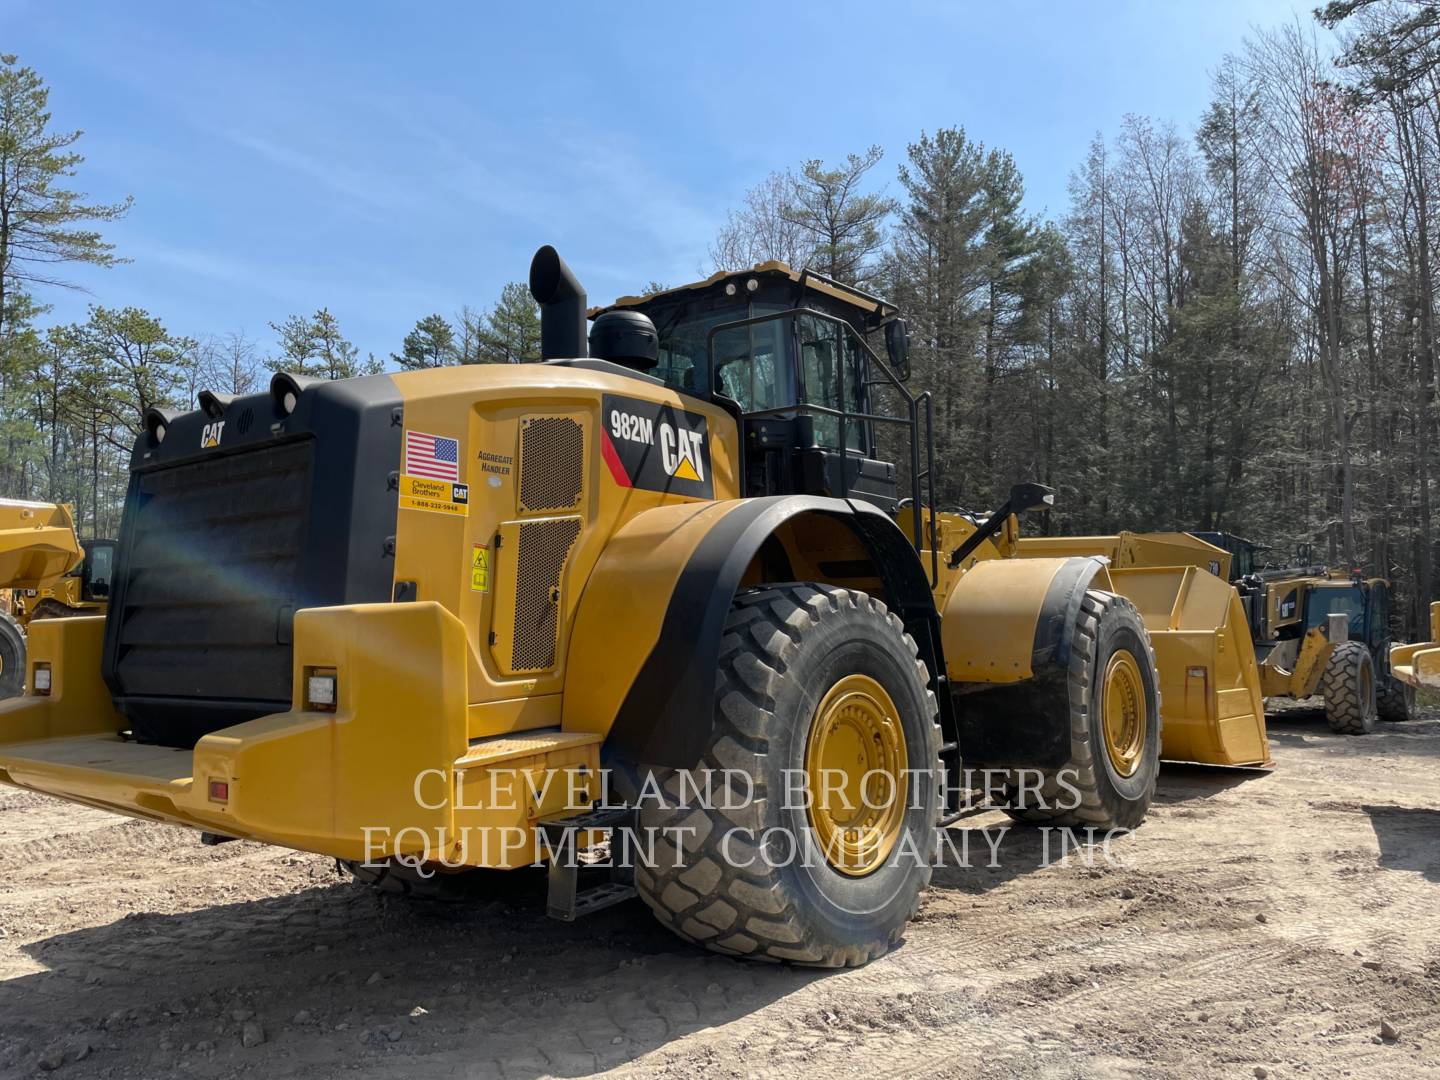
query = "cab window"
{"x": 99, "y": 567}
{"x": 831, "y": 376}
{"x": 1349, "y": 602}
{"x": 750, "y": 365}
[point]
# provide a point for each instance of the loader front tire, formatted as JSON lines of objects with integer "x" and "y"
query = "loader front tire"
{"x": 12, "y": 657}
{"x": 1348, "y": 686}
{"x": 811, "y": 678}
{"x": 1394, "y": 700}
{"x": 1114, "y": 709}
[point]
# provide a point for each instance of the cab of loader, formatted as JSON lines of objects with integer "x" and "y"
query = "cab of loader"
{"x": 796, "y": 357}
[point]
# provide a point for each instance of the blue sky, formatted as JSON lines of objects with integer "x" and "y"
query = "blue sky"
{"x": 388, "y": 161}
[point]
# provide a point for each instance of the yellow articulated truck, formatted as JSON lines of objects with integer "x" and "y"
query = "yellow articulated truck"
{"x": 38, "y": 547}
{"x": 451, "y": 620}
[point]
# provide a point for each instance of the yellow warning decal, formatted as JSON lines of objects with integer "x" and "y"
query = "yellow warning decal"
{"x": 480, "y": 569}
{"x": 437, "y": 496}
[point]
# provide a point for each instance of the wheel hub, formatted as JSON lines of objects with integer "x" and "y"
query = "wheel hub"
{"x": 1123, "y": 698}
{"x": 855, "y": 763}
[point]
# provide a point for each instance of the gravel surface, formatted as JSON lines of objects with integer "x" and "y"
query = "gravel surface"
{"x": 1259, "y": 924}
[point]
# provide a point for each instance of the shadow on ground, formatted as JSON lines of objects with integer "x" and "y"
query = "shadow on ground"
{"x": 1409, "y": 839}
{"x": 337, "y": 972}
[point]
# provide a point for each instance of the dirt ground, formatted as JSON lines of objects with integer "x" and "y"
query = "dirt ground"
{"x": 1257, "y": 924}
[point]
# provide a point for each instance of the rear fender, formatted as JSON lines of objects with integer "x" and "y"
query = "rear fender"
{"x": 646, "y": 639}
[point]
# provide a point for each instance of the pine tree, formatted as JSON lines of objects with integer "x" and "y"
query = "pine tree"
{"x": 510, "y": 332}
{"x": 314, "y": 346}
{"x": 38, "y": 215}
{"x": 430, "y": 344}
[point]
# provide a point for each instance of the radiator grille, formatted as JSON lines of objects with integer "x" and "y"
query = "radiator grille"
{"x": 540, "y": 560}
{"x": 212, "y": 577}
{"x": 552, "y": 460}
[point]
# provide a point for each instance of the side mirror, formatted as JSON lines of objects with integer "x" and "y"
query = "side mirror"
{"x": 1025, "y": 497}
{"x": 897, "y": 346}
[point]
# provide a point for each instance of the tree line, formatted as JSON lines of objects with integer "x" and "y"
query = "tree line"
{"x": 1231, "y": 325}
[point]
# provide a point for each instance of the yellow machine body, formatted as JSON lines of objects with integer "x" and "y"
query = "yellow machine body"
{"x": 38, "y": 545}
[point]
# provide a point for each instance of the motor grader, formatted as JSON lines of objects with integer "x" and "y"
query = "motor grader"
{"x": 38, "y": 547}
{"x": 458, "y": 619}
{"x": 1318, "y": 630}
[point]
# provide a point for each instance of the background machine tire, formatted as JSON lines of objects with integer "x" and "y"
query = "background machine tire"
{"x": 1113, "y": 699}
{"x": 1394, "y": 700}
{"x": 786, "y": 654}
{"x": 12, "y": 657}
{"x": 1348, "y": 685}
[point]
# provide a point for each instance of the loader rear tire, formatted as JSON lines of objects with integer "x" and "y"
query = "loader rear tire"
{"x": 12, "y": 657}
{"x": 807, "y": 672}
{"x": 1114, "y": 728}
{"x": 1394, "y": 700}
{"x": 1348, "y": 685}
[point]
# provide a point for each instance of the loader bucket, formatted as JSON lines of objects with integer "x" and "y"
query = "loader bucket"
{"x": 1419, "y": 665}
{"x": 1210, "y": 704}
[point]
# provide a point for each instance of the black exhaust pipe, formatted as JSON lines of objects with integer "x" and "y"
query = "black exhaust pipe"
{"x": 562, "y": 306}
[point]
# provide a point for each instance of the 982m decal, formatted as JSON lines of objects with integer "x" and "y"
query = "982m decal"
{"x": 657, "y": 447}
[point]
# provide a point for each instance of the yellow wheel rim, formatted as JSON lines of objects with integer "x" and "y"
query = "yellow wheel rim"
{"x": 855, "y": 764}
{"x": 1123, "y": 697}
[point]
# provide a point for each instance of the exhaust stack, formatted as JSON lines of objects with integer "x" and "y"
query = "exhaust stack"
{"x": 562, "y": 306}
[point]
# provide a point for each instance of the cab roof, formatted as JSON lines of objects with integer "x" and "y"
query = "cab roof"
{"x": 871, "y": 307}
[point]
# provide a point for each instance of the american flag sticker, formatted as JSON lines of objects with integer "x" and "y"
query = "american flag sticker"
{"x": 432, "y": 456}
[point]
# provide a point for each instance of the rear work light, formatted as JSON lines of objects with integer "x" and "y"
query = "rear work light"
{"x": 321, "y": 689}
{"x": 40, "y": 677}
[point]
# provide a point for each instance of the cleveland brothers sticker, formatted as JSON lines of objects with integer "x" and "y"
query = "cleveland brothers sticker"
{"x": 656, "y": 447}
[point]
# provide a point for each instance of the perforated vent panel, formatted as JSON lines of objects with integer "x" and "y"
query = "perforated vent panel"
{"x": 552, "y": 461}
{"x": 543, "y": 548}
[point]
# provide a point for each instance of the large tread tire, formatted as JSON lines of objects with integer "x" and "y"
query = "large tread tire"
{"x": 12, "y": 657}
{"x": 1394, "y": 700}
{"x": 1106, "y": 799}
{"x": 1348, "y": 686}
{"x": 783, "y": 648}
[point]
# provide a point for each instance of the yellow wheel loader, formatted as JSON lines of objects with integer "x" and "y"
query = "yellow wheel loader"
{"x": 38, "y": 546}
{"x": 662, "y": 592}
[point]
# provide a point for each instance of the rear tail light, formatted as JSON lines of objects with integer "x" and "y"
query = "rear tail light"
{"x": 321, "y": 689}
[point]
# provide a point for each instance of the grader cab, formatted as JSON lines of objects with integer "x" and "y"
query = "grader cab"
{"x": 446, "y": 621}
